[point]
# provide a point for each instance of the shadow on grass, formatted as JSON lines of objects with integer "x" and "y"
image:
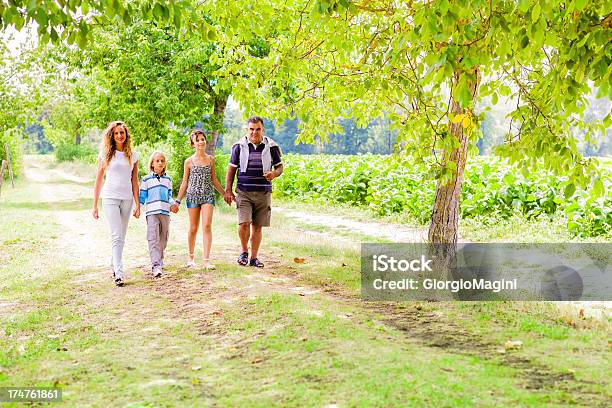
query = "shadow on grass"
{"x": 65, "y": 205}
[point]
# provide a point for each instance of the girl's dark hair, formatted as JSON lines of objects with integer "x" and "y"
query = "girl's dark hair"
{"x": 194, "y": 134}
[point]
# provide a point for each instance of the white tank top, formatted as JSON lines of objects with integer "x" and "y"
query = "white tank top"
{"x": 118, "y": 182}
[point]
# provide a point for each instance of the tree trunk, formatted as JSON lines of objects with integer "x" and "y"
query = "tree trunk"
{"x": 77, "y": 139}
{"x": 218, "y": 114}
{"x": 445, "y": 215}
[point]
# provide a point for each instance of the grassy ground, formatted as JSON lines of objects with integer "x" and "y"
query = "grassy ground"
{"x": 292, "y": 334}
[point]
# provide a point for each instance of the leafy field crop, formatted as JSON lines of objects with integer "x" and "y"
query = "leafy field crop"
{"x": 491, "y": 187}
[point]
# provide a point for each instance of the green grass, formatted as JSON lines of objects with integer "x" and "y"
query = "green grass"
{"x": 294, "y": 335}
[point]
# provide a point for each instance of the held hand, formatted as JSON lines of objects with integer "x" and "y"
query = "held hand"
{"x": 137, "y": 212}
{"x": 229, "y": 197}
{"x": 94, "y": 213}
{"x": 174, "y": 208}
{"x": 269, "y": 175}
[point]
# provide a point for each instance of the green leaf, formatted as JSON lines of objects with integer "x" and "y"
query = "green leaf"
{"x": 82, "y": 40}
{"x": 535, "y": 12}
{"x": 463, "y": 94}
{"x": 9, "y": 14}
{"x": 524, "y": 42}
{"x": 71, "y": 37}
{"x": 54, "y": 36}
{"x": 598, "y": 188}
{"x": 443, "y": 7}
{"x": 158, "y": 11}
{"x": 494, "y": 98}
{"x": 579, "y": 4}
{"x": 538, "y": 36}
{"x": 569, "y": 190}
{"x": 524, "y": 5}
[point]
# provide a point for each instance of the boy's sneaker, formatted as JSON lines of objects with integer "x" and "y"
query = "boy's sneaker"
{"x": 256, "y": 263}
{"x": 157, "y": 272}
{"x": 119, "y": 282}
{"x": 243, "y": 259}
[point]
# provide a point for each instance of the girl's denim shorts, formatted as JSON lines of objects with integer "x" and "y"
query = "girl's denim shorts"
{"x": 192, "y": 205}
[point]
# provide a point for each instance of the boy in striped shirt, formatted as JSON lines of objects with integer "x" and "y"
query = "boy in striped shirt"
{"x": 156, "y": 193}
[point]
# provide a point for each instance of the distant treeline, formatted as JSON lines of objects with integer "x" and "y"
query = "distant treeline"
{"x": 377, "y": 137}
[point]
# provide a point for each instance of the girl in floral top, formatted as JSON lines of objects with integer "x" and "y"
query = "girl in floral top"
{"x": 199, "y": 183}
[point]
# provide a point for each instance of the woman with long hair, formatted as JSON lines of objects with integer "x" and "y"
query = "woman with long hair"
{"x": 119, "y": 162}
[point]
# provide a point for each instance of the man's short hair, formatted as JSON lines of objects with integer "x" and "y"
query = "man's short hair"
{"x": 255, "y": 119}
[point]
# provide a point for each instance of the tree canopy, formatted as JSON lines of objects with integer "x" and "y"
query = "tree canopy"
{"x": 428, "y": 65}
{"x": 152, "y": 78}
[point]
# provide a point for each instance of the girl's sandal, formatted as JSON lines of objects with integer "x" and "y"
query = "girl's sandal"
{"x": 209, "y": 266}
{"x": 191, "y": 263}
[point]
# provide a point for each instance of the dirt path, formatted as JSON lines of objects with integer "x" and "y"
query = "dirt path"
{"x": 201, "y": 298}
{"x": 393, "y": 233}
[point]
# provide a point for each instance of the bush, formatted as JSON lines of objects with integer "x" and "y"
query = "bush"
{"x": 13, "y": 138}
{"x": 180, "y": 150}
{"x": 66, "y": 151}
{"x": 588, "y": 217}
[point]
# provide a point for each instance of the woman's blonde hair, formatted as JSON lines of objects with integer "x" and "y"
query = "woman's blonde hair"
{"x": 155, "y": 153}
{"x": 108, "y": 147}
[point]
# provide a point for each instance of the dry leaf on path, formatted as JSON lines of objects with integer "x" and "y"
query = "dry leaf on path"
{"x": 513, "y": 344}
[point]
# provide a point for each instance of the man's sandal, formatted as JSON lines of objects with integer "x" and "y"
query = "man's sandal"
{"x": 119, "y": 282}
{"x": 243, "y": 259}
{"x": 256, "y": 263}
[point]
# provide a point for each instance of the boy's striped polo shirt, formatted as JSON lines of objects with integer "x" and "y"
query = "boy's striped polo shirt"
{"x": 156, "y": 193}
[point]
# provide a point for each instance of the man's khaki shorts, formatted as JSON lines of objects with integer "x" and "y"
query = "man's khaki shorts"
{"x": 254, "y": 207}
